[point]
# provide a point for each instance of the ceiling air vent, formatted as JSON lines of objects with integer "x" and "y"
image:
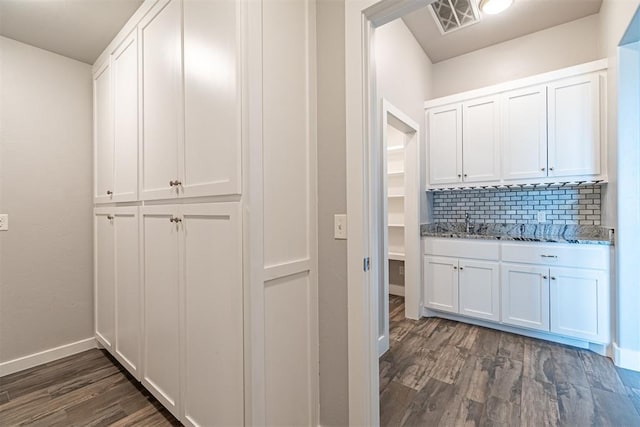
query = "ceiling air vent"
{"x": 451, "y": 15}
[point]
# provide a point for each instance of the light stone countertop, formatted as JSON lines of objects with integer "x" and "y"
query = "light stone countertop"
{"x": 576, "y": 234}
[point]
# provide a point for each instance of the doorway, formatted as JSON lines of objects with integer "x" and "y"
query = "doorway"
{"x": 401, "y": 245}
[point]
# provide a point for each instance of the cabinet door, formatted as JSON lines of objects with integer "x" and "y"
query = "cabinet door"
{"x": 525, "y": 296}
{"x": 103, "y": 134}
{"x": 580, "y": 303}
{"x": 574, "y": 126}
{"x": 104, "y": 278}
{"x": 524, "y": 133}
{"x": 481, "y": 140}
{"x": 441, "y": 283}
{"x": 213, "y": 328}
{"x": 124, "y": 66}
{"x": 161, "y": 341}
{"x": 480, "y": 289}
{"x": 127, "y": 278}
{"x": 160, "y": 35}
{"x": 212, "y": 148}
{"x": 445, "y": 144}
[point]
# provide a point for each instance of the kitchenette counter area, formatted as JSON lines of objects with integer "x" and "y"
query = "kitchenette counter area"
{"x": 547, "y": 233}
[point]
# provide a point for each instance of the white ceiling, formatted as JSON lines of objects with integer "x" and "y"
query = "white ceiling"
{"x": 78, "y": 29}
{"x": 523, "y": 17}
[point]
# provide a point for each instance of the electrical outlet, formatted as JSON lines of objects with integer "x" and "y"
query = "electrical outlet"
{"x": 340, "y": 227}
{"x": 401, "y": 270}
{"x": 542, "y": 216}
{"x": 4, "y": 222}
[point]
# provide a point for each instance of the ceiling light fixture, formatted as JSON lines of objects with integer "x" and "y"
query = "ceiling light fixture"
{"x": 492, "y": 7}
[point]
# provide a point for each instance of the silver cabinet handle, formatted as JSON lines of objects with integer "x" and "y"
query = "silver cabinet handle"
{"x": 549, "y": 256}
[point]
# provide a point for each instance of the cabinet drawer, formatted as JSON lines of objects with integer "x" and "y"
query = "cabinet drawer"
{"x": 580, "y": 256}
{"x": 462, "y": 248}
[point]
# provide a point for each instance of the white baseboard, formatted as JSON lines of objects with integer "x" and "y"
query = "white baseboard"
{"x": 626, "y": 358}
{"x": 396, "y": 290}
{"x": 46, "y": 356}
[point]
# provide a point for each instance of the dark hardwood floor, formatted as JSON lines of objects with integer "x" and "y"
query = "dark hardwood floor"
{"x": 87, "y": 389}
{"x": 443, "y": 373}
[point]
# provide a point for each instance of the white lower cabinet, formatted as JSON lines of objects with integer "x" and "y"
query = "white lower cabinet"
{"x": 580, "y": 303}
{"x": 562, "y": 289}
{"x": 525, "y": 296}
{"x": 161, "y": 342}
{"x": 193, "y": 335}
{"x": 441, "y": 283}
{"x": 479, "y": 289}
{"x": 117, "y": 284}
{"x": 105, "y": 322}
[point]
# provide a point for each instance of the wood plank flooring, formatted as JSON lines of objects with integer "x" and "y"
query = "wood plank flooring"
{"x": 87, "y": 389}
{"x": 444, "y": 373}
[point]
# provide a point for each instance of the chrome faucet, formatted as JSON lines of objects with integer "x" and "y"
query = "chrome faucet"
{"x": 467, "y": 222}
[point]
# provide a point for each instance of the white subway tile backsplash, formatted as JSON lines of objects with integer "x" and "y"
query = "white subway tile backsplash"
{"x": 566, "y": 205}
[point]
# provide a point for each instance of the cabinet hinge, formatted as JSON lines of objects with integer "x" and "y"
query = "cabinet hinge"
{"x": 366, "y": 264}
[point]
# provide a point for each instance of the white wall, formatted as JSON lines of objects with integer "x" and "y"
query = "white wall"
{"x": 332, "y": 199}
{"x": 614, "y": 19}
{"x": 46, "y": 283}
{"x": 405, "y": 78}
{"x": 569, "y": 44}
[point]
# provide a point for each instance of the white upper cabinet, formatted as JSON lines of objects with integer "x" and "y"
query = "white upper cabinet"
{"x": 103, "y": 134}
{"x": 481, "y": 140}
{"x": 160, "y": 35}
{"x": 574, "y": 126}
{"x": 540, "y": 130}
{"x": 524, "y": 125}
{"x": 211, "y": 98}
{"x": 445, "y": 144}
{"x": 124, "y": 71}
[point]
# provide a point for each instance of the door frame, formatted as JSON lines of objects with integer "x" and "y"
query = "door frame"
{"x": 364, "y": 193}
{"x": 626, "y": 345}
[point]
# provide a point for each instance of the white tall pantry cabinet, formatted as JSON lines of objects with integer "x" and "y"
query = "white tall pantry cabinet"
{"x": 168, "y": 277}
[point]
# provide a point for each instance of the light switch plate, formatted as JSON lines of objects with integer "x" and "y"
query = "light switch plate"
{"x": 4, "y": 222}
{"x": 340, "y": 226}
